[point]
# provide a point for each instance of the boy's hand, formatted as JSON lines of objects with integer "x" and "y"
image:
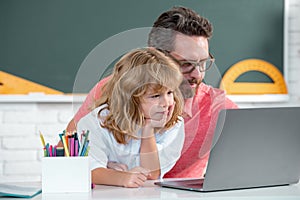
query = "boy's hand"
{"x": 136, "y": 177}
{"x": 133, "y": 179}
{"x": 160, "y": 123}
{"x": 117, "y": 166}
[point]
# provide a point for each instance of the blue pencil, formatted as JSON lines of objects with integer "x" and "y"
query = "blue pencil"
{"x": 84, "y": 148}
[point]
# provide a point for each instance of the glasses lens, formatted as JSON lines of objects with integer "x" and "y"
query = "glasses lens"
{"x": 207, "y": 65}
{"x": 187, "y": 67}
{"x": 203, "y": 66}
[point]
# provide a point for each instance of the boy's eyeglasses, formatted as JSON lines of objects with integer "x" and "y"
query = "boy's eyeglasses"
{"x": 187, "y": 66}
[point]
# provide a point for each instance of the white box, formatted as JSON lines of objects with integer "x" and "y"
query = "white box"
{"x": 66, "y": 174}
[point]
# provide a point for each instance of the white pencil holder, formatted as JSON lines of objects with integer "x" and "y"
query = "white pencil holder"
{"x": 66, "y": 174}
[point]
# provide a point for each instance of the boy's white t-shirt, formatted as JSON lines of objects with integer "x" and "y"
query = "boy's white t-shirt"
{"x": 104, "y": 148}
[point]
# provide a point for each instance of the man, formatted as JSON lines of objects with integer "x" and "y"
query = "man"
{"x": 184, "y": 36}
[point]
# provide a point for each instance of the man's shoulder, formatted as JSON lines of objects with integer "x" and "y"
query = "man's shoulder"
{"x": 95, "y": 113}
{"x": 103, "y": 81}
{"x": 207, "y": 92}
{"x": 208, "y": 89}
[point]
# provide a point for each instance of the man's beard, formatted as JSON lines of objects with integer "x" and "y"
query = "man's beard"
{"x": 186, "y": 90}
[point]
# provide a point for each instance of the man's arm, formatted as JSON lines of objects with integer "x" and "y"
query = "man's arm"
{"x": 230, "y": 104}
{"x": 86, "y": 106}
{"x": 71, "y": 127}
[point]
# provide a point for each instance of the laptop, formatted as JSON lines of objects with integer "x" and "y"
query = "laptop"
{"x": 251, "y": 148}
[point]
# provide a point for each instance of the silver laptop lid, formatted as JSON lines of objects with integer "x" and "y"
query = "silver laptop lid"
{"x": 254, "y": 148}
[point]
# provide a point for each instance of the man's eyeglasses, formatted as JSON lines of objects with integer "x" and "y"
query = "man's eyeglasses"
{"x": 187, "y": 66}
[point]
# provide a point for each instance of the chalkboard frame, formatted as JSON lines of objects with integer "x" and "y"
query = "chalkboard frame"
{"x": 13, "y": 57}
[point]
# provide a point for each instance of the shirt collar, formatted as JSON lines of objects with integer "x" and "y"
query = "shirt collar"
{"x": 187, "y": 110}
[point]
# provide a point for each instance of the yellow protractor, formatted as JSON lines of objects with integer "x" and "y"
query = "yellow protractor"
{"x": 11, "y": 84}
{"x": 231, "y": 87}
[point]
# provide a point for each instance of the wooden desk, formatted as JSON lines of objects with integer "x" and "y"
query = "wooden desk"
{"x": 150, "y": 191}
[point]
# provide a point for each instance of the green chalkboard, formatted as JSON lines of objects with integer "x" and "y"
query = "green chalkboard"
{"x": 48, "y": 41}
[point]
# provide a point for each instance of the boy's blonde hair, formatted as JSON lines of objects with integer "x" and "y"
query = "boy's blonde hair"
{"x": 135, "y": 73}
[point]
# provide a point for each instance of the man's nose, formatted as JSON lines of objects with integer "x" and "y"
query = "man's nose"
{"x": 196, "y": 72}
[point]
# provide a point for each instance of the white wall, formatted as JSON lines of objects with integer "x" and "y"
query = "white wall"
{"x": 20, "y": 145}
{"x": 294, "y": 49}
{"x": 20, "y": 122}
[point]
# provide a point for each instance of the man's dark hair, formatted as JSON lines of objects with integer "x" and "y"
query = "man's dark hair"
{"x": 177, "y": 20}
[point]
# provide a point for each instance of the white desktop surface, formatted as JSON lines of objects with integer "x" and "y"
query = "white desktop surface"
{"x": 151, "y": 191}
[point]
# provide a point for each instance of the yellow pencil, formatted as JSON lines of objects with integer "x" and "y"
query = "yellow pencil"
{"x": 42, "y": 139}
{"x": 65, "y": 146}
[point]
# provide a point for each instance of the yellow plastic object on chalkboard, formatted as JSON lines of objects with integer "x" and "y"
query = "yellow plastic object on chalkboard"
{"x": 10, "y": 84}
{"x": 231, "y": 87}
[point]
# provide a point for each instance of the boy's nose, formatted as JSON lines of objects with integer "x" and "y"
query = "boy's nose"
{"x": 164, "y": 101}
